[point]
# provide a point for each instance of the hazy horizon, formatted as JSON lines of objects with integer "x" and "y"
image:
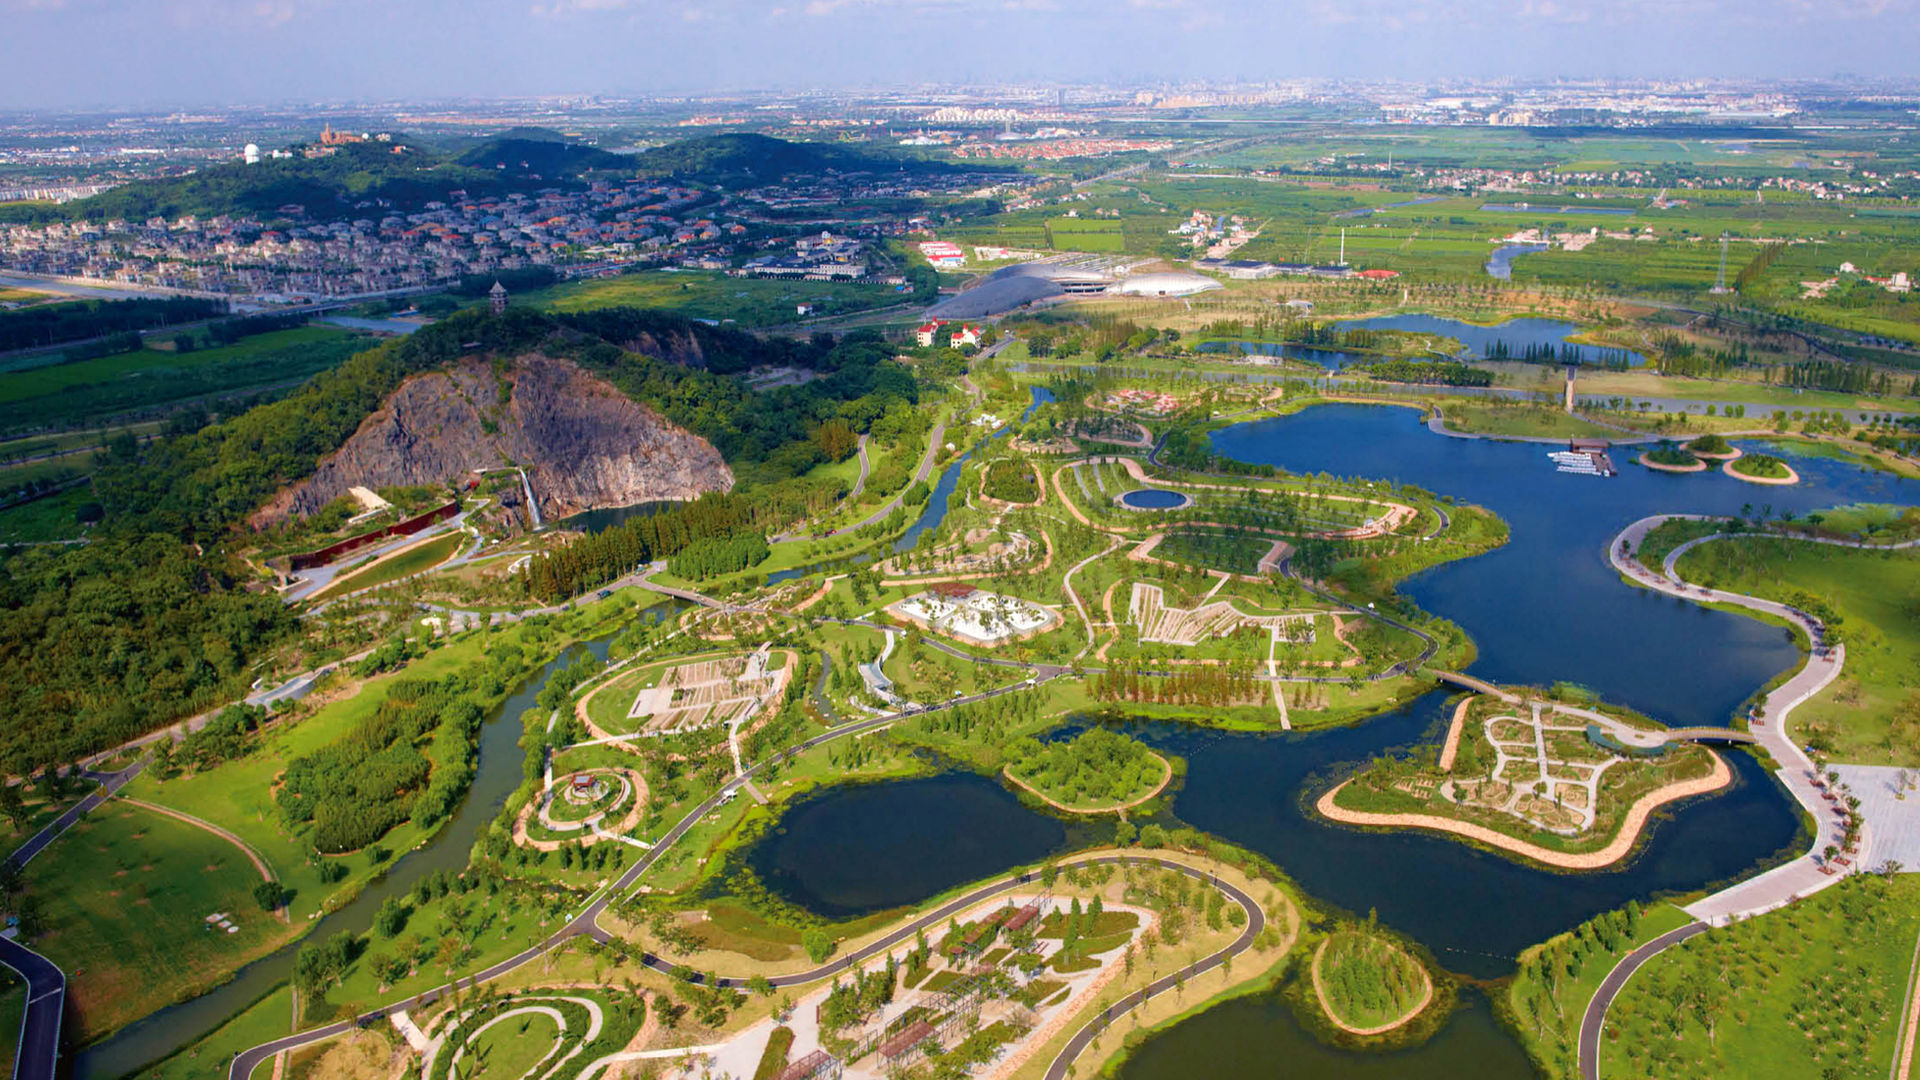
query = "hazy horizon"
{"x": 66, "y": 54}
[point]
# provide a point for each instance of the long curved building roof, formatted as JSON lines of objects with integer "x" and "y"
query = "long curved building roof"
{"x": 1163, "y": 283}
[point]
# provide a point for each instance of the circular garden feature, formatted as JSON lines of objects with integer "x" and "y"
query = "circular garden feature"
{"x": 1154, "y": 499}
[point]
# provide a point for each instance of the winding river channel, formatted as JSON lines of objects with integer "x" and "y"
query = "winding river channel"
{"x": 1544, "y": 608}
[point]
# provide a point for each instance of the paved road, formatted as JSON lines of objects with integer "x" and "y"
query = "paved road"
{"x": 39, "y": 1050}
{"x": 587, "y": 921}
{"x": 109, "y": 783}
{"x": 1256, "y": 922}
{"x": 1594, "y": 1021}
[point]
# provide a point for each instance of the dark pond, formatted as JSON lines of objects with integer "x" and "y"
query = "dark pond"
{"x": 851, "y": 851}
{"x": 593, "y": 521}
{"x": 1260, "y": 1037}
{"x": 1153, "y": 499}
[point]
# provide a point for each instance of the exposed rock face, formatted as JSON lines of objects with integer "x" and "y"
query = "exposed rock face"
{"x": 584, "y": 444}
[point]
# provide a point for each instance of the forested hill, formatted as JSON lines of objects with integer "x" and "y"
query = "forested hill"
{"x": 543, "y": 157}
{"x": 151, "y": 620}
{"x": 347, "y": 183}
{"x": 737, "y": 160}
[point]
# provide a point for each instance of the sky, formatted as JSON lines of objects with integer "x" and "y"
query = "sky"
{"x": 178, "y": 53}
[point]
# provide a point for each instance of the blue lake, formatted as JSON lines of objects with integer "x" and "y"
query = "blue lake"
{"x": 1546, "y": 607}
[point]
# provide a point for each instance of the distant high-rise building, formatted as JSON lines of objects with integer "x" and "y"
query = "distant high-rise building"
{"x": 497, "y": 297}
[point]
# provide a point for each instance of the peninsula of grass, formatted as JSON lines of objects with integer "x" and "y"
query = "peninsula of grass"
{"x": 1713, "y": 447}
{"x": 1591, "y": 815}
{"x": 126, "y": 893}
{"x": 1098, "y": 772}
{"x": 1815, "y": 989}
{"x": 414, "y": 559}
{"x": 1012, "y": 480}
{"x": 1871, "y": 713}
{"x": 1367, "y": 985}
{"x": 1761, "y": 469}
{"x": 1497, "y": 420}
{"x": 1670, "y": 458}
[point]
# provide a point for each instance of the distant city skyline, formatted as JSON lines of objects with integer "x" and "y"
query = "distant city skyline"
{"x": 162, "y": 53}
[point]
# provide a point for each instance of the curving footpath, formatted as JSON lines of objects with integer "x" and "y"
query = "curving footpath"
{"x": 586, "y": 923}
{"x": 1783, "y": 884}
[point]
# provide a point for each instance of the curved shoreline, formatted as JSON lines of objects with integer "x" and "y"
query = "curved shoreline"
{"x": 1007, "y": 771}
{"x": 1792, "y": 477}
{"x": 1326, "y": 1007}
{"x": 1698, "y": 466}
{"x": 1622, "y": 843}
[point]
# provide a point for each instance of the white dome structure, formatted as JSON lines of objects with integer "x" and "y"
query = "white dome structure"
{"x": 251, "y": 154}
{"x": 1163, "y": 283}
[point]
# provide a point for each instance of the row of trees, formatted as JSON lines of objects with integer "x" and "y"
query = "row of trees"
{"x": 50, "y": 324}
{"x": 1208, "y": 684}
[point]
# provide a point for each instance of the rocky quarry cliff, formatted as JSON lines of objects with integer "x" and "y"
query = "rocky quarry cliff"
{"x": 584, "y": 444}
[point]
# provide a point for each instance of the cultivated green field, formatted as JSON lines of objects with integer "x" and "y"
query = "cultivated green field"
{"x": 64, "y": 394}
{"x": 703, "y": 294}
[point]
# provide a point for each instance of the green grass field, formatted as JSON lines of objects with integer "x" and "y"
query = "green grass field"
{"x": 510, "y": 1047}
{"x": 51, "y": 518}
{"x": 1812, "y": 990}
{"x": 126, "y": 894}
{"x": 750, "y": 302}
{"x": 1532, "y": 421}
{"x": 1871, "y": 714}
{"x": 59, "y": 394}
{"x": 414, "y": 561}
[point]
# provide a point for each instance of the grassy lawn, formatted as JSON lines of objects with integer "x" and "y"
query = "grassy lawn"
{"x": 1871, "y": 714}
{"x": 67, "y": 393}
{"x": 1556, "y": 979}
{"x": 126, "y": 895}
{"x": 1477, "y": 418}
{"x": 751, "y": 302}
{"x": 1813, "y": 990}
{"x": 267, "y": 1019}
{"x": 392, "y": 568}
{"x": 13, "y": 1003}
{"x": 510, "y": 1047}
{"x": 239, "y": 794}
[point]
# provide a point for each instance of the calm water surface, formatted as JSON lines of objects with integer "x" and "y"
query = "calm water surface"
{"x": 1543, "y": 608}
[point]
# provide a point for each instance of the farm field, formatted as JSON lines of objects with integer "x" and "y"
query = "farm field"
{"x": 701, "y": 294}
{"x": 65, "y": 394}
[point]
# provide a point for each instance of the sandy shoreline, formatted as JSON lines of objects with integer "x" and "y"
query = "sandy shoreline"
{"x": 1617, "y": 849}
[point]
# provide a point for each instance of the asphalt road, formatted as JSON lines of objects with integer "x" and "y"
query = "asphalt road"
{"x": 39, "y": 1050}
{"x": 587, "y": 921}
{"x": 1596, "y": 1015}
